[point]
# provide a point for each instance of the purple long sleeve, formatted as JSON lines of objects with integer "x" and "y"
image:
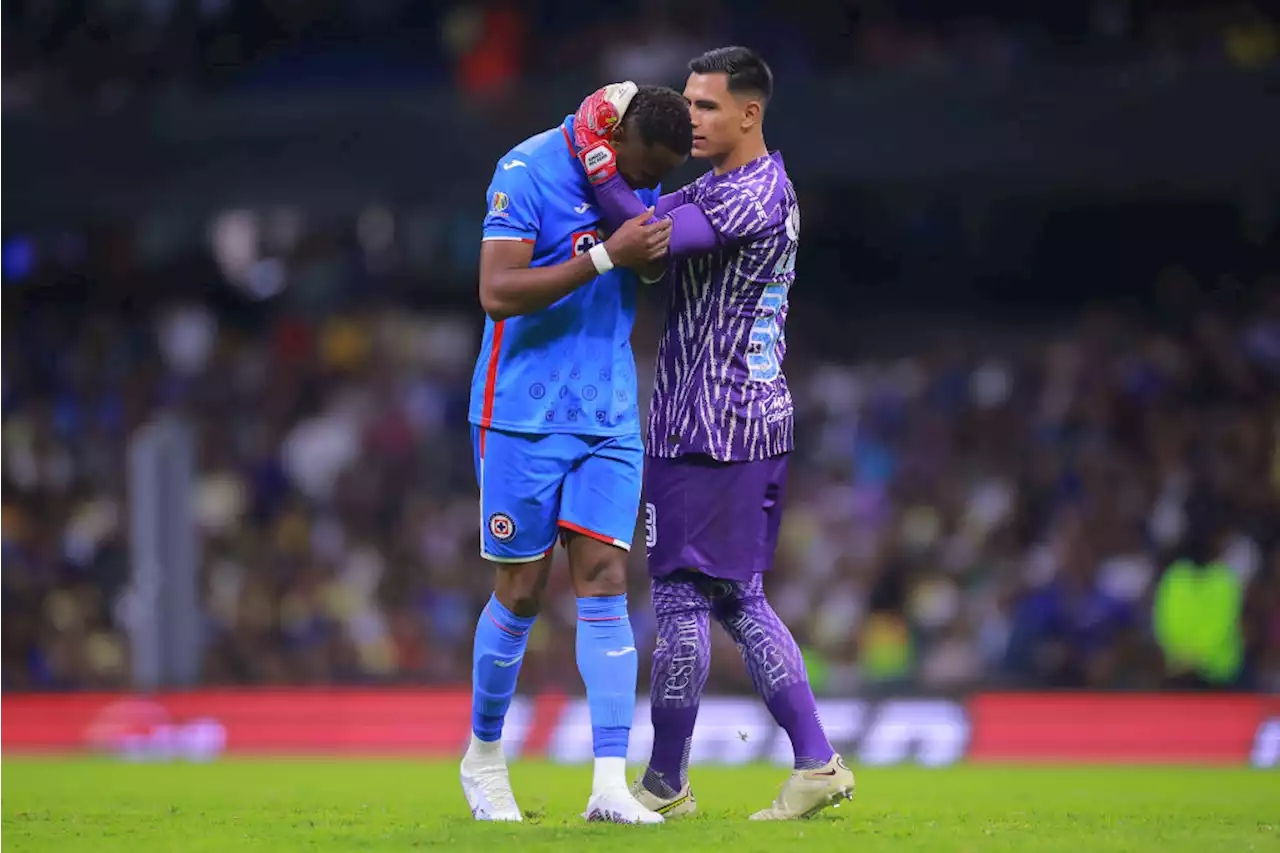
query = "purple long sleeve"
{"x": 670, "y": 202}
{"x": 692, "y": 234}
{"x": 618, "y": 202}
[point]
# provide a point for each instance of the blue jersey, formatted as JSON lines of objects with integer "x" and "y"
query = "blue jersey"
{"x": 567, "y": 368}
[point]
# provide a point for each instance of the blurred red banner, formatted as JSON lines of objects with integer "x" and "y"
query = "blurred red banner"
{"x": 294, "y": 721}
{"x": 434, "y": 723}
{"x": 1165, "y": 728}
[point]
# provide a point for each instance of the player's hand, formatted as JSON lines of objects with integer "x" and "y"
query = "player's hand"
{"x": 637, "y": 242}
{"x": 593, "y": 125}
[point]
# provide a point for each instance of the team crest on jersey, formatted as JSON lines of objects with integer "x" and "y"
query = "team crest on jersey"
{"x": 499, "y": 203}
{"x": 583, "y": 241}
{"x": 502, "y": 527}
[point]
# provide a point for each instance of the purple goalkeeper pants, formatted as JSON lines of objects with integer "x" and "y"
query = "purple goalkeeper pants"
{"x": 720, "y": 518}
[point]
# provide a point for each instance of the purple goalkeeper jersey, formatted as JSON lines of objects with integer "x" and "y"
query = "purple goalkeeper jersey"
{"x": 718, "y": 386}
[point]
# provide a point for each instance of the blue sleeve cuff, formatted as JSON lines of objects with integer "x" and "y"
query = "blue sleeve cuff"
{"x": 515, "y": 234}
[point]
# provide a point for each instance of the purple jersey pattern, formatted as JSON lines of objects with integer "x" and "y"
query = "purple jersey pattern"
{"x": 718, "y": 385}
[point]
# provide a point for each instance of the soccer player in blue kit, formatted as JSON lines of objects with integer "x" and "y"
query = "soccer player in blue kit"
{"x": 556, "y": 430}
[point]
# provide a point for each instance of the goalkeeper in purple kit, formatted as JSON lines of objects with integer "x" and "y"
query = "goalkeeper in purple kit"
{"x": 720, "y": 424}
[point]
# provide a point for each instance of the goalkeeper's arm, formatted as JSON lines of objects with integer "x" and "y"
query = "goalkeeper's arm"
{"x": 595, "y": 122}
{"x": 692, "y": 233}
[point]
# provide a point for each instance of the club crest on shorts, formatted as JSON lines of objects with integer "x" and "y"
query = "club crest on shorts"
{"x": 502, "y": 527}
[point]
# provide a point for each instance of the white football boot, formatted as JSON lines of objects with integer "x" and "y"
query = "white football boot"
{"x": 610, "y": 801}
{"x": 619, "y": 807}
{"x": 486, "y": 784}
{"x": 808, "y": 792}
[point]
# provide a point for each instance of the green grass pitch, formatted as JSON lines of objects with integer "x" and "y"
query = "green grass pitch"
{"x": 69, "y": 805}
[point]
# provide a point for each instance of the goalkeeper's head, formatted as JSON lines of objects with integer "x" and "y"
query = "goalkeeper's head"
{"x": 727, "y": 91}
{"x": 655, "y": 136}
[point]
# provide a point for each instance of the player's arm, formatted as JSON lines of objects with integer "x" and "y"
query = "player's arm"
{"x": 509, "y": 286}
{"x": 692, "y": 233}
{"x": 598, "y": 116}
{"x": 727, "y": 216}
{"x": 618, "y": 202}
{"x": 670, "y": 201}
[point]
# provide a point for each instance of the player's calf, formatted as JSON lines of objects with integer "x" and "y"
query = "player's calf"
{"x": 502, "y": 633}
{"x": 773, "y": 659}
{"x": 681, "y": 663}
{"x": 607, "y": 659}
{"x": 777, "y": 671}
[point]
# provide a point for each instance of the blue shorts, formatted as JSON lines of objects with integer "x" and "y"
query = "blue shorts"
{"x": 533, "y": 486}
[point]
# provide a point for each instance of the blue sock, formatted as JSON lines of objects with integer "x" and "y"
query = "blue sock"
{"x": 501, "y": 637}
{"x": 608, "y": 662}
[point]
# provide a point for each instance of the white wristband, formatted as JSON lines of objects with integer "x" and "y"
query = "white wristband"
{"x": 600, "y": 257}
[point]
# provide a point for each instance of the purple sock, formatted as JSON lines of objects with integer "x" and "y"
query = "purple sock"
{"x": 681, "y": 662}
{"x": 777, "y": 671}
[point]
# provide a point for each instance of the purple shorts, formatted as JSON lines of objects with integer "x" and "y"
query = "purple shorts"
{"x": 721, "y": 518}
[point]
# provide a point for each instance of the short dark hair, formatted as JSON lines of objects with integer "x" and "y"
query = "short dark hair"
{"x": 746, "y": 70}
{"x": 661, "y": 115}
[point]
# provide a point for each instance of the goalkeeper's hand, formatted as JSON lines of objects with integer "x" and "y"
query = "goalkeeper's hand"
{"x": 593, "y": 126}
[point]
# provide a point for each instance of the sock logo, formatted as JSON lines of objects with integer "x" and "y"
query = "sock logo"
{"x": 509, "y": 662}
{"x": 502, "y": 527}
{"x": 617, "y": 653}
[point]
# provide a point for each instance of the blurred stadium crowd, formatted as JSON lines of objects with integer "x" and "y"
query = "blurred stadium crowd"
{"x": 108, "y": 52}
{"x": 975, "y": 499}
{"x": 976, "y": 510}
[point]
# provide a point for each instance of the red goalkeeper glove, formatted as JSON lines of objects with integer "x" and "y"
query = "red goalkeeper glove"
{"x": 593, "y": 125}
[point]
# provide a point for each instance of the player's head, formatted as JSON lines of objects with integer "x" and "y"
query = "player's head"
{"x": 727, "y": 90}
{"x": 655, "y": 136}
